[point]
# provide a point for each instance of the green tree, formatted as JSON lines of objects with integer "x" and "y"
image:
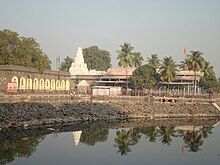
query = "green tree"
{"x": 154, "y": 61}
{"x": 144, "y": 77}
{"x": 123, "y": 141}
{"x": 195, "y": 62}
{"x": 96, "y": 58}
{"x": 166, "y": 133}
{"x": 168, "y": 70}
{"x": 92, "y": 136}
{"x": 12, "y": 148}
{"x": 65, "y": 65}
{"x": 193, "y": 140}
{"x": 136, "y": 59}
{"x": 124, "y": 57}
{"x": 22, "y": 51}
{"x": 209, "y": 80}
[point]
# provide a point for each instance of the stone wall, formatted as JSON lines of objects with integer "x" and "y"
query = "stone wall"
{"x": 30, "y": 80}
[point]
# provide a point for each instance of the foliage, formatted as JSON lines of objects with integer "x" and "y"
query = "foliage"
{"x": 96, "y": 58}
{"x": 124, "y": 55}
{"x": 65, "y": 65}
{"x": 154, "y": 61}
{"x": 136, "y": 59}
{"x": 22, "y": 51}
{"x": 168, "y": 70}
{"x": 91, "y": 137}
{"x": 209, "y": 80}
{"x": 10, "y": 149}
{"x": 144, "y": 77}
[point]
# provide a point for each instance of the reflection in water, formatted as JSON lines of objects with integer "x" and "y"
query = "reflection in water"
{"x": 92, "y": 136}
{"x": 23, "y": 147}
{"x": 193, "y": 138}
{"x": 76, "y": 137}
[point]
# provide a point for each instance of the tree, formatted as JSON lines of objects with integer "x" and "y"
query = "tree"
{"x": 22, "y": 51}
{"x": 144, "y": 77}
{"x": 66, "y": 64}
{"x": 124, "y": 59}
{"x": 96, "y": 58}
{"x": 209, "y": 80}
{"x": 193, "y": 140}
{"x": 123, "y": 141}
{"x": 136, "y": 59}
{"x": 154, "y": 61}
{"x": 195, "y": 62}
{"x": 168, "y": 70}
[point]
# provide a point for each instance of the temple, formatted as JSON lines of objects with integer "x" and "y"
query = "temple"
{"x": 79, "y": 67}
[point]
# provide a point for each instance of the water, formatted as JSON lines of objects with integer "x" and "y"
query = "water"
{"x": 185, "y": 144}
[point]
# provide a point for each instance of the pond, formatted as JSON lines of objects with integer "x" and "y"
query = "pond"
{"x": 162, "y": 144}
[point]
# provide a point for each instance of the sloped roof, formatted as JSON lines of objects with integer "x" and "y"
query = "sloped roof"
{"x": 120, "y": 71}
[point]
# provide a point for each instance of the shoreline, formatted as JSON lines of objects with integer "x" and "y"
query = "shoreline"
{"x": 32, "y": 114}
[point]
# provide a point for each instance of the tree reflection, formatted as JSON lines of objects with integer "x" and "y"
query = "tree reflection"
{"x": 123, "y": 140}
{"x": 193, "y": 139}
{"x": 23, "y": 147}
{"x": 166, "y": 132}
{"x": 92, "y": 136}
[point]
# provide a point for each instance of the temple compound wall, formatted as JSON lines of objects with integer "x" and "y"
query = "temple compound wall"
{"x": 30, "y": 80}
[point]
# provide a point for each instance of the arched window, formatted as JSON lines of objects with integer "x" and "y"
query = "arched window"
{"x": 52, "y": 86}
{"x": 15, "y": 80}
{"x": 29, "y": 83}
{"x": 47, "y": 84}
{"x": 58, "y": 85}
{"x": 62, "y": 85}
{"x": 35, "y": 83}
{"x": 41, "y": 87}
{"x": 22, "y": 83}
{"x": 67, "y": 85}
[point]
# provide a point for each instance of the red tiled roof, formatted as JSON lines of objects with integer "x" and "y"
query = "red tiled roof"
{"x": 120, "y": 71}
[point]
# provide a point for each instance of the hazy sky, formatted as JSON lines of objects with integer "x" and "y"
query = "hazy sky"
{"x": 165, "y": 27}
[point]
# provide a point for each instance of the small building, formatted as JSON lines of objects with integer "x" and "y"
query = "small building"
{"x": 113, "y": 82}
{"x": 106, "y": 90}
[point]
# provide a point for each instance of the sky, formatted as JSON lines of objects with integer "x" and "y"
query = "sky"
{"x": 163, "y": 27}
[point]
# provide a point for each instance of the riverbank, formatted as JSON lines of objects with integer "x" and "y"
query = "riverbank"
{"x": 14, "y": 115}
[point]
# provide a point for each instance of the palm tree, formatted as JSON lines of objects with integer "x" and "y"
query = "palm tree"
{"x": 183, "y": 65}
{"x": 136, "y": 59}
{"x": 193, "y": 140}
{"x": 166, "y": 133}
{"x": 123, "y": 141}
{"x": 154, "y": 61}
{"x": 124, "y": 59}
{"x": 195, "y": 62}
{"x": 208, "y": 70}
{"x": 168, "y": 70}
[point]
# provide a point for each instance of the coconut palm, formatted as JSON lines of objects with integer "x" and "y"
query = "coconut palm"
{"x": 124, "y": 59}
{"x": 208, "y": 70}
{"x": 166, "y": 133}
{"x": 195, "y": 62}
{"x": 183, "y": 65}
{"x": 168, "y": 70}
{"x": 123, "y": 141}
{"x": 136, "y": 59}
{"x": 154, "y": 61}
{"x": 193, "y": 140}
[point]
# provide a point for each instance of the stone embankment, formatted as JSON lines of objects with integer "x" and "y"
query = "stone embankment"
{"x": 13, "y": 115}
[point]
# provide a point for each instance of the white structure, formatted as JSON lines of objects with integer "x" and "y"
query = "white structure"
{"x": 79, "y": 67}
{"x": 76, "y": 137}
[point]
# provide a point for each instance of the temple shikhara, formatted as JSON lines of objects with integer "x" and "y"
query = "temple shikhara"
{"x": 79, "y": 67}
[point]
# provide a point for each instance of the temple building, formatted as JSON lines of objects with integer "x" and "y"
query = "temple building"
{"x": 81, "y": 76}
{"x": 184, "y": 83}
